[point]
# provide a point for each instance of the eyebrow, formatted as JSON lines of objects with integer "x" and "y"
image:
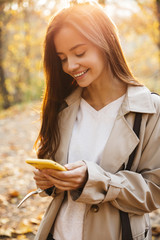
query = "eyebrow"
{"x": 74, "y": 47}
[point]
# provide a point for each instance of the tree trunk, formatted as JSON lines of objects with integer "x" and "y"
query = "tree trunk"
{"x": 3, "y": 89}
{"x": 27, "y": 44}
{"x": 158, "y": 16}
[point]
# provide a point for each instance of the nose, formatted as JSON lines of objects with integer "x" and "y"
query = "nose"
{"x": 72, "y": 65}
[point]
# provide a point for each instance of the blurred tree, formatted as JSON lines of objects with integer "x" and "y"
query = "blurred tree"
{"x": 158, "y": 16}
{"x": 102, "y": 2}
{"x": 22, "y": 45}
{"x": 4, "y": 18}
{"x": 140, "y": 37}
{"x": 22, "y": 29}
{"x": 3, "y": 89}
{"x": 73, "y": 1}
{"x": 152, "y": 8}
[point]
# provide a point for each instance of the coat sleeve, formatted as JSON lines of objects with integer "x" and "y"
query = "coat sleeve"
{"x": 49, "y": 192}
{"x": 134, "y": 192}
{"x": 52, "y": 192}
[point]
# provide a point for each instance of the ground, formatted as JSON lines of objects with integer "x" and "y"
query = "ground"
{"x": 19, "y": 127}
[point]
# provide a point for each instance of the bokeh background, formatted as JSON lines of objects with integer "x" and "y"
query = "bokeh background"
{"x": 22, "y": 29}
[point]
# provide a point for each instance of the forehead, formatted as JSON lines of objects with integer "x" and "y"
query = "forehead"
{"x": 67, "y": 37}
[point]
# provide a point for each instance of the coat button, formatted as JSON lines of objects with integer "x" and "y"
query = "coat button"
{"x": 94, "y": 208}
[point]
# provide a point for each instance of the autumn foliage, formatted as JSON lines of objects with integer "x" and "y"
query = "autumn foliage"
{"x": 22, "y": 30}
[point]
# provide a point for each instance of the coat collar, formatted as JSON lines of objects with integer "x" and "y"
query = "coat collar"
{"x": 137, "y": 99}
{"x": 122, "y": 140}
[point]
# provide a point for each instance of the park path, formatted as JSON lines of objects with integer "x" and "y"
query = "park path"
{"x": 18, "y": 132}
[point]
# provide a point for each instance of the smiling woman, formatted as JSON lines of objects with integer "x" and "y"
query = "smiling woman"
{"x": 96, "y": 118}
{"x": 80, "y": 58}
{"x": 101, "y": 33}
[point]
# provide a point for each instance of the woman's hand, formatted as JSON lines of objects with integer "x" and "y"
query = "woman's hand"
{"x": 73, "y": 179}
{"x": 41, "y": 181}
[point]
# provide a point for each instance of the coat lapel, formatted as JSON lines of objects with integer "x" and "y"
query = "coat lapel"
{"x": 122, "y": 140}
{"x": 121, "y": 143}
{"x": 67, "y": 119}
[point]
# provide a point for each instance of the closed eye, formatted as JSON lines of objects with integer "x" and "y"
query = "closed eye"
{"x": 80, "y": 54}
{"x": 63, "y": 60}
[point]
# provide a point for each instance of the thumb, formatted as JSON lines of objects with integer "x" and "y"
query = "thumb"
{"x": 71, "y": 166}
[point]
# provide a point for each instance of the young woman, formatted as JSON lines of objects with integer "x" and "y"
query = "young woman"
{"x": 88, "y": 113}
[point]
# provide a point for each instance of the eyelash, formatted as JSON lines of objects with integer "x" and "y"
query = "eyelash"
{"x": 77, "y": 55}
{"x": 80, "y": 55}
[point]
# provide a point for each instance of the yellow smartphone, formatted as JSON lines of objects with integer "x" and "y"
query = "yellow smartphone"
{"x": 45, "y": 163}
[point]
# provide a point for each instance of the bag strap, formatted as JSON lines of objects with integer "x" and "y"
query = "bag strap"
{"x": 126, "y": 227}
{"x": 136, "y": 129}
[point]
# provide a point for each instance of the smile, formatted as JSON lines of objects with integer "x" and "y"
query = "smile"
{"x": 80, "y": 74}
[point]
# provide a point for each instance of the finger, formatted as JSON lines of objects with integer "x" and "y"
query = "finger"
{"x": 75, "y": 174}
{"x": 66, "y": 175}
{"x": 61, "y": 175}
{"x": 44, "y": 185}
{"x": 70, "y": 184}
{"x": 39, "y": 178}
{"x": 64, "y": 186}
{"x": 71, "y": 166}
{"x": 43, "y": 182}
{"x": 52, "y": 172}
{"x": 38, "y": 173}
{"x": 68, "y": 180}
{"x": 57, "y": 182}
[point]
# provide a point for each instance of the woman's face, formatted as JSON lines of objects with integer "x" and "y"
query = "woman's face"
{"x": 80, "y": 58}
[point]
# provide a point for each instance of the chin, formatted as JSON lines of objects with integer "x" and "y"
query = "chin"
{"x": 83, "y": 84}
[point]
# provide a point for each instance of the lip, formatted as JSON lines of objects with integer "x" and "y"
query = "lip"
{"x": 80, "y": 74}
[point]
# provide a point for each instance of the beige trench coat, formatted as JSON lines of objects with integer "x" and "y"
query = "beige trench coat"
{"x": 109, "y": 188}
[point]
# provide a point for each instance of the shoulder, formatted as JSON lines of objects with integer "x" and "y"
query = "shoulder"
{"x": 153, "y": 120}
{"x": 139, "y": 99}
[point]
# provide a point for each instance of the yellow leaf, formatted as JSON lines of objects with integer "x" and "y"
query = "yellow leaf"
{"x": 22, "y": 237}
{"x": 23, "y": 227}
{"x": 35, "y": 221}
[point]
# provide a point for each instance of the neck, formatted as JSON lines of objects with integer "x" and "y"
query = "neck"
{"x": 99, "y": 95}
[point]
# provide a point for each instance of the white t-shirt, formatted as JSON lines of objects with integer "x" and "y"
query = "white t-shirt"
{"x": 89, "y": 137}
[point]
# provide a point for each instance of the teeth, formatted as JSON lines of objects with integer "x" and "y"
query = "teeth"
{"x": 80, "y": 74}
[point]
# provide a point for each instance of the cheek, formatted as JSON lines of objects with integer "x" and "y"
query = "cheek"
{"x": 92, "y": 60}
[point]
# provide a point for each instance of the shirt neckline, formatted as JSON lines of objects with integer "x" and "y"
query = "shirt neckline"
{"x": 116, "y": 102}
